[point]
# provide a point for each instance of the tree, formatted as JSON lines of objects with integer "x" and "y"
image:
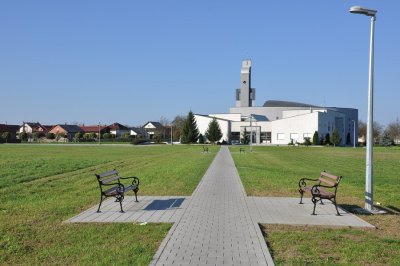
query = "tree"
{"x": 335, "y": 137}
{"x": 50, "y": 136}
{"x": 307, "y": 141}
{"x": 23, "y": 136}
{"x": 190, "y": 132}
{"x": 35, "y": 136}
{"x": 201, "y": 139}
{"x": 327, "y": 139}
{"x": 315, "y": 139}
{"x": 177, "y": 126}
{"x": 376, "y": 130}
{"x": 213, "y": 132}
{"x": 78, "y": 136}
{"x": 6, "y": 136}
{"x": 393, "y": 130}
{"x": 385, "y": 140}
{"x": 362, "y": 129}
{"x": 246, "y": 137}
{"x": 348, "y": 139}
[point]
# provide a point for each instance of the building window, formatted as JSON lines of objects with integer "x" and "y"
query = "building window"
{"x": 294, "y": 136}
{"x": 307, "y": 135}
{"x": 280, "y": 136}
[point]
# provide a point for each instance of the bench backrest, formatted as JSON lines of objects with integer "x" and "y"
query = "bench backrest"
{"x": 329, "y": 179}
{"x": 107, "y": 177}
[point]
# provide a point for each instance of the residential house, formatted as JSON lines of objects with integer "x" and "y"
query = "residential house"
{"x": 119, "y": 130}
{"x": 138, "y": 132}
{"x": 31, "y": 127}
{"x": 66, "y": 132}
{"x": 96, "y": 129}
{"x": 156, "y": 128}
{"x": 12, "y": 129}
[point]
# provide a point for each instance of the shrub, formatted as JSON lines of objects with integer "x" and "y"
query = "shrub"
{"x": 50, "y": 136}
{"x": 315, "y": 140}
{"x": 307, "y": 141}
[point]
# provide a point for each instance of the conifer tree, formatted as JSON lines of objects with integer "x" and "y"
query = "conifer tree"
{"x": 213, "y": 132}
{"x": 335, "y": 137}
{"x": 315, "y": 140}
{"x": 190, "y": 132}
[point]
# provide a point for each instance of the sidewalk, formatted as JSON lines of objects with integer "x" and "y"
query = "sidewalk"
{"x": 216, "y": 228}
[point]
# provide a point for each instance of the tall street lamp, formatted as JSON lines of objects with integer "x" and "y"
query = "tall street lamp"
{"x": 369, "y": 176}
{"x": 354, "y": 133}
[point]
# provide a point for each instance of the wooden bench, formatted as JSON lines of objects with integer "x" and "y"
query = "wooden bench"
{"x": 242, "y": 150}
{"x": 324, "y": 187}
{"x": 205, "y": 149}
{"x": 111, "y": 186}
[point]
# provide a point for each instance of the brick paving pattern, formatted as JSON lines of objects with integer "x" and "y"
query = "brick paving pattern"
{"x": 216, "y": 228}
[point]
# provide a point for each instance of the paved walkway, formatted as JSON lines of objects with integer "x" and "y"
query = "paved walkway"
{"x": 216, "y": 228}
{"x": 218, "y": 224}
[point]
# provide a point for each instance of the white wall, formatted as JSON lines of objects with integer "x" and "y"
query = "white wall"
{"x": 283, "y": 129}
{"x": 203, "y": 122}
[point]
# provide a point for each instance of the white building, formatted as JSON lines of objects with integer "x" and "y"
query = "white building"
{"x": 279, "y": 122}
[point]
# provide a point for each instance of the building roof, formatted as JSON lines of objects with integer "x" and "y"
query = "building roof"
{"x": 8, "y": 128}
{"x": 277, "y": 103}
{"x": 95, "y": 128}
{"x": 71, "y": 128}
{"x": 118, "y": 126}
{"x": 157, "y": 125}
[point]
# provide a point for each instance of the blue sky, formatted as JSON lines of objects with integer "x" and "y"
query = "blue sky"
{"x": 135, "y": 61}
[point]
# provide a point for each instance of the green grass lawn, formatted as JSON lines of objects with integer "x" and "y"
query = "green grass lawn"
{"x": 43, "y": 185}
{"x": 275, "y": 171}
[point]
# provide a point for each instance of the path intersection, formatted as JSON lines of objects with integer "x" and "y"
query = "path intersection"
{"x": 218, "y": 224}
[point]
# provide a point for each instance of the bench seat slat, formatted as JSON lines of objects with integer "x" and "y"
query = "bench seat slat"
{"x": 328, "y": 182}
{"x": 111, "y": 191}
{"x": 109, "y": 180}
{"x": 105, "y": 174}
{"x": 329, "y": 175}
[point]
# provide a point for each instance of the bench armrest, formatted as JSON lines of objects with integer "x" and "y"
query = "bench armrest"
{"x": 302, "y": 182}
{"x": 135, "y": 180}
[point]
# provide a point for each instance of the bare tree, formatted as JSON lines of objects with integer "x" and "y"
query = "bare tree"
{"x": 393, "y": 130}
{"x": 164, "y": 121}
{"x": 362, "y": 129}
{"x": 376, "y": 130}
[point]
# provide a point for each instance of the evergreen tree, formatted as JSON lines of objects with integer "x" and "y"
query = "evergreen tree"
{"x": 315, "y": 140}
{"x": 213, "y": 132}
{"x": 190, "y": 133}
{"x": 201, "y": 139}
{"x": 335, "y": 137}
{"x": 327, "y": 139}
{"x": 385, "y": 140}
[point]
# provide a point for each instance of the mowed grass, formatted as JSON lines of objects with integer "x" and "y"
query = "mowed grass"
{"x": 275, "y": 171}
{"x": 43, "y": 185}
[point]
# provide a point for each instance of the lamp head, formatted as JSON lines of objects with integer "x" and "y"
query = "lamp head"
{"x": 362, "y": 10}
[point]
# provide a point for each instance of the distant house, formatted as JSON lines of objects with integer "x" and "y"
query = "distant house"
{"x": 66, "y": 132}
{"x": 137, "y": 132}
{"x": 31, "y": 127}
{"x": 156, "y": 128}
{"x": 12, "y": 129}
{"x": 119, "y": 130}
{"x": 95, "y": 129}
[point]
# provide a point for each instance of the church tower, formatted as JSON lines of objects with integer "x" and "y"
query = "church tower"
{"x": 245, "y": 95}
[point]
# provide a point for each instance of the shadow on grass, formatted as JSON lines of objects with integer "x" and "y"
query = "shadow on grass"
{"x": 269, "y": 245}
{"x": 355, "y": 209}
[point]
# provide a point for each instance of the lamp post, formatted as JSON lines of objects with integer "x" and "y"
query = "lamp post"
{"x": 99, "y": 133}
{"x": 354, "y": 133}
{"x": 251, "y": 133}
{"x": 369, "y": 176}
